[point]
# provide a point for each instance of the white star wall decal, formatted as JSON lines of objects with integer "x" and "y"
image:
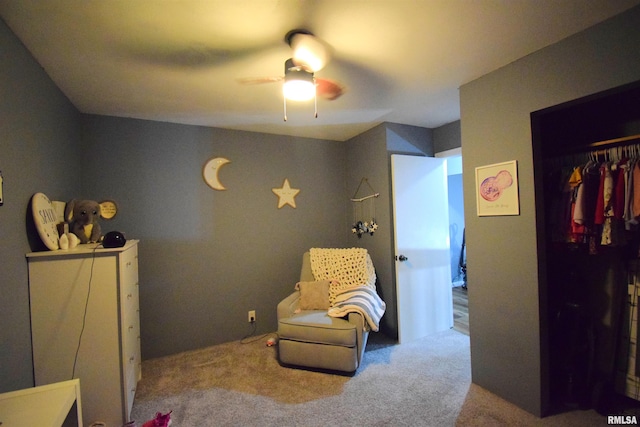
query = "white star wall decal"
{"x": 286, "y": 194}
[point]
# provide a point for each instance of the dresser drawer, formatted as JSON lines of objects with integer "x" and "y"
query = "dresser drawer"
{"x": 130, "y": 385}
{"x": 132, "y": 361}
{"x": 129, "y": 305}
{"x": 131, "y": 336}
{"x": 129, "y": 266}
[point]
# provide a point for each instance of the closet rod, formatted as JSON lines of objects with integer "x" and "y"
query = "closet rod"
{"x": 609, "y": 143}
{"x": 616, "y": 141}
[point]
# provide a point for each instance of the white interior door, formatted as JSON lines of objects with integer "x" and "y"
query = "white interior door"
{"x": 421, "y": 224}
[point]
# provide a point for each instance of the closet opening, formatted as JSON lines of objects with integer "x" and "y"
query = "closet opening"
{"x": 586, "y": 157}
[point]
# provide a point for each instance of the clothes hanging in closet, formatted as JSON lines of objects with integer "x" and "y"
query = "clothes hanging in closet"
{"x": 592, "y": 202}
{"x": 595, "y": 203}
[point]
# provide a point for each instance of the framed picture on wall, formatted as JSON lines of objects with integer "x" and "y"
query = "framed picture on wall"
{"x": 497, "y": 189}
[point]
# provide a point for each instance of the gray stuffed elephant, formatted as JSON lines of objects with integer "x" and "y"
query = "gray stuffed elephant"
{"x": 83, "y": 216}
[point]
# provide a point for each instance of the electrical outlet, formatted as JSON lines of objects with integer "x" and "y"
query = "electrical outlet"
{"x": 252, "y": 316}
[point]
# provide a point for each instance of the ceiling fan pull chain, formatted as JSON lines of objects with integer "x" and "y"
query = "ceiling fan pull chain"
{"x": 285, "y": 108}
{"x": 315, "y": 104}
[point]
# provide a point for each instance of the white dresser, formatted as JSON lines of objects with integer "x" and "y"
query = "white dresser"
{"x": 94, "y": 293}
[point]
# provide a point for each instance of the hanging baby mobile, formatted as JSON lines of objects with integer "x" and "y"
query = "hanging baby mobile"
{"x": 364, "y": 211}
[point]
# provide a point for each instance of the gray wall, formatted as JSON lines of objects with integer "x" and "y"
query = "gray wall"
{"x": 39, "y": 140}
{"x": 447, "y": 137}
{"x": 206, "y": 256}
{"x": 404, "y": 139}
{"x": 367, "y": 158}
{"x": 507, "y": 357}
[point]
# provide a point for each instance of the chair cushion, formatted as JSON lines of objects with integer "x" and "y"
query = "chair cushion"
{"x": 315, "y": 326}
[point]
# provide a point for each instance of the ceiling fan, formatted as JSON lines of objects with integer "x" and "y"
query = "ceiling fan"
{"x": 310, "y": 54}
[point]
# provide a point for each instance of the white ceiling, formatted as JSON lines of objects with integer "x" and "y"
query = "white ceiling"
{"x": 178, "y": 60}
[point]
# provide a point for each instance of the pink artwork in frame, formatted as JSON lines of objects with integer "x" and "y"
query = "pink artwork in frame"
{"x": 497, "y": 189}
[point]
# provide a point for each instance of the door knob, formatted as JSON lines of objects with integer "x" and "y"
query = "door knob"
{"x": 401, "y": 258}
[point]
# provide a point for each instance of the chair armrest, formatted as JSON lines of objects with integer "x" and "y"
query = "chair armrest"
{"x": 288, "y": 306}
{"x": 362, "y": 332}
{"x": 358, "y": 320}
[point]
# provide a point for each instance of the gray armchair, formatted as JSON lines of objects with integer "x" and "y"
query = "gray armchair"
{"x": 311, "y": 338}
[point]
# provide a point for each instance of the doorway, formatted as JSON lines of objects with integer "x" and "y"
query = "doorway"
{"x": 456, "y": 239}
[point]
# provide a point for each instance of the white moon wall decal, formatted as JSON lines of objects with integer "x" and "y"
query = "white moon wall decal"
{"x": 211, "y": 170}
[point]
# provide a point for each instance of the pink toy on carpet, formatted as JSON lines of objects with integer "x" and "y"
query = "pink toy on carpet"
{"x": 160, "y": 420}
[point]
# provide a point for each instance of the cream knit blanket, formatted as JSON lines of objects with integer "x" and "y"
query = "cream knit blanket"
{"x": 349, "y": 267}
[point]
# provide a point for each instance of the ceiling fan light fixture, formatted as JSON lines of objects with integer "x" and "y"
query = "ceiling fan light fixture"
{"x": 298, "y": 90}
{"x": 299, "y": 84}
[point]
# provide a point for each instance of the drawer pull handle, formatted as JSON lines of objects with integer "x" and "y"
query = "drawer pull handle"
{"x": 130, "y": 327}
{"x": 132, "y": 358}
{"x": 129, "y": 296}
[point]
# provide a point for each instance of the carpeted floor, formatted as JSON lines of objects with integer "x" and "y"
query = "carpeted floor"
{"x": 422, "y": 383}
{"x": 234, "y": 384}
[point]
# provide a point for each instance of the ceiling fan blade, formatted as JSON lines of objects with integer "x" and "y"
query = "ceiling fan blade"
{"x": 325, "y": 88}
{"x": 329, "y": 89}
{"x": 308, "y": 50}
{"x": 259, "y": 80}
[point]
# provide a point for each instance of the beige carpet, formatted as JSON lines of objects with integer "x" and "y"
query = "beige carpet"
{"x": 245, "y": 368}
{"x": 423, "y": 383}
{"x": 234, "y": 384}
